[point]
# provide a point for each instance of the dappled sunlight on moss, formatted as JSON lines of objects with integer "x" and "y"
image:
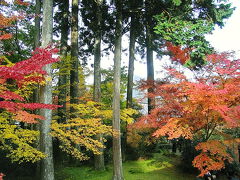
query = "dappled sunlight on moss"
{"x": 159, "y": 167}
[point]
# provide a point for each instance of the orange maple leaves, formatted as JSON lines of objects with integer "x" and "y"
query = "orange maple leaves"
{"x": 178, "y": 54}
{"x": 199, "y": 108}
{"x": 6, "y": 21}
{"x": 24, "y": 116}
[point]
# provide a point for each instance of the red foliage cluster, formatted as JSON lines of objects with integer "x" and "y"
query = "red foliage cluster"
{"x": 178, "y": 54}
{"x": 20, "y": 74}
{"x": 22, "y": 70}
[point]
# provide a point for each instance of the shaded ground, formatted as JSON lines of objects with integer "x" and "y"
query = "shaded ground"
{"x": 158, "y": 168}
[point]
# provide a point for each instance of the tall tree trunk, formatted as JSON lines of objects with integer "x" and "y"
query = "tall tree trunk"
{"x": 47, "y": 168}
{"x": 63, "y": 83}
{"x": 36, "y": 90}
{"x": 37, "y": 23}
{"x": 63, "y": 72}
{"x": 117, "y": 156}
{"x": 130, "y": 75}
{"x": 74, "y": 76}
{"x": 37, "y": 44}
{"x": 98, "y": 159}
{"x": 149, "y": 46}
{"x": 131, "y": 61}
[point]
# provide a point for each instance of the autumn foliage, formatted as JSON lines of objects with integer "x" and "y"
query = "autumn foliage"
{"x": 17, "y": 76}
{"x": 7, "y": 21}
{"x": 179, "y": 54}
{"x": 16, "y": 84}
{"x": 204, "y": 108}
{"x": 16, "y": 80}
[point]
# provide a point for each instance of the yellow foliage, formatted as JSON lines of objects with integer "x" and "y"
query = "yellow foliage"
{"x": 126, "y": 115}
{"x": 80, "y": 132}
{"x": 18, "y": 142}
{"x": 9, "y": 63}
{"x": 96, "y": 109}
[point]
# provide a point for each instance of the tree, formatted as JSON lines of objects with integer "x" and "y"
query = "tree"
{"x": 134, "y": 11}
{"x": 16, "y": 82}
{"x": 203, "y": 109}
{"x": 37, "y": 42}
{"x": 76, "y": 136}
{"x": 186, "y": 33}
{"x": 207, "y": 10}
{"x": 98, "y": 159}
{"x": 16, "y": 46}
{"x": 37, "y": 23}
{"x": 74, "y": 74}
{"x": 47, "y": 167}
{"x": 117, "y": 156}
{"x": 63, "y": 16}
{"x": 149, "y": 49}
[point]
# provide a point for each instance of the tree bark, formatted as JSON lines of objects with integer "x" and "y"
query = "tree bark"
{"x": 149, "y": 46}
{"x": 74, "y": 77}
{"x": 98, "y": 159}
{"x": 47, "y": 167}
{"x": 37, "y": 23}
{"x": 37, "y": 44}
{"x": 63, "y": 72}
{"x": 131, "y": 61}
{"x": 117, "y": 156}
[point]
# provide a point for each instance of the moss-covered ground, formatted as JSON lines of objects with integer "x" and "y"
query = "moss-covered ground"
{"x": 159, "y": 167}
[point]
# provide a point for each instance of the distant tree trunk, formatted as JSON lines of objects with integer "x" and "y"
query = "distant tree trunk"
{"x": 98, "y": 159}
{"x": 131, "y": 61}
{"x": 47, "y": 168}
{"x": 74, "y": 76}
{"x": 130, "y": 75}
{"x": 63, "y": 72}
{"x": 149, "y": 46}
{"x": 63, "y": 84}
{"x": 117, "y": 156}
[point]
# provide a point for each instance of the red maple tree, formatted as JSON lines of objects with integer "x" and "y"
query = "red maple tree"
{"x": 21, "y": 74}
{"x": 14, "y": 79}
{"x": 206, "y": 106}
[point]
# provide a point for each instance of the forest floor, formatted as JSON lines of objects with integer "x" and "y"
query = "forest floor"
{"x": 158, "y": 168}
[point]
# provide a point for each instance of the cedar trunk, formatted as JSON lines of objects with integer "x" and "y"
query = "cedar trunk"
{"x": 63, "y": 72}
{"x": 47, "y": 167}
{"x": 36, "y": 90}
{"x": 117, "y": 156}
{"x": 74, "y": 77}
{"x": 98, "y": 159}
{"x": 131, "y": 61}
{"x": 149, "y": 46}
